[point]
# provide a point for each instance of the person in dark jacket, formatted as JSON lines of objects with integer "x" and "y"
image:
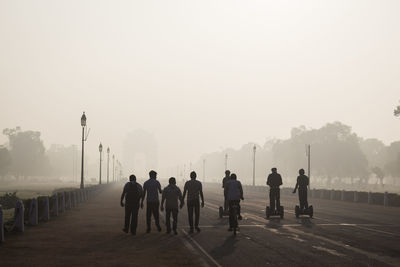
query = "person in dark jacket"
{"x": 274, "y": 181}
{"x": 302, "y": 183}
{"x": 234, "y": 193}
{"x": 224, "y": 181}
{"x": 170, "y": 195}
{"x": 132, "y": 193}
{"x": 194, "y": 189}
{"x": 152, "y": 187}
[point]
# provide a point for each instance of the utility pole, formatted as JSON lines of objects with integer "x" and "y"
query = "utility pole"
{"x": 113, "y": 168}
{"x": 254, "y": 165}
{"x": 204, "y": 170}
{"x": 309, "y": 164}
{"x": 108, "y": 164}
{"x": 226, "y": 161}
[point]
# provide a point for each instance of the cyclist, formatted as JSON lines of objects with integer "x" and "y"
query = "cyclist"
{"x": 302, "y": 183}
{"x": 274, "y": 181}
{"x": 234, "y": 193}
{"x": 224, "y": 181}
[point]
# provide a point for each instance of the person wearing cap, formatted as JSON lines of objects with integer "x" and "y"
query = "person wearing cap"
{"x": 274, "y": 181}
{"x": 194, "y": 189}
{"x": 170, "y": 195}
{"x": 224, "y": 181}
{"x": 132, "y": 193}
{"x": 152, "y": 187}
{"x": 302, "y": 183}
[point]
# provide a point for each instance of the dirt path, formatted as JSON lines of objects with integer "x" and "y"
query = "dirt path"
{"x": 91, "y": 235}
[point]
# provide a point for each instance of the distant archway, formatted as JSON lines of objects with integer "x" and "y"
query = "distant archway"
{"x": 140, "y": 153}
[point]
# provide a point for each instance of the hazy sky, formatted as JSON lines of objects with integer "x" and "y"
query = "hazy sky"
{"x": 199, "y": 75}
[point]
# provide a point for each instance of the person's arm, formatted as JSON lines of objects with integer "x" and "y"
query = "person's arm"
{"x": 241, "y": 190}
{"x": 122, "y": 196}
{"x": 268, "y": 180}
{"x": 184, "y": 191}
{"x": 223, "y": 180}
{"x": 180, "y": 198}
{"x": 144, "y": 195}
{"x": 280, "y": 180}
{"x": 201, "y": 195}
{"x": 297, "y": 185}
{"x": 162, "y": 200}
{"x": 159, "y": 187}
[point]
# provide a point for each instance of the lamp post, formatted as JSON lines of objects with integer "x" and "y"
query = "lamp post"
{"x": 254, "y": 165}
{"x": 83, "y": 124}
{"x": 101, "y": 152}
{"x": 204, "y": 170}
{"x": 226, "y": 161}
{"x": 108, "y": 163}
{"x": 113, "y": 168}
{"x": 309, "y": 164}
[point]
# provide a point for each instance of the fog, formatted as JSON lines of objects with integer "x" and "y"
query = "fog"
{"x": 198, "y": 77}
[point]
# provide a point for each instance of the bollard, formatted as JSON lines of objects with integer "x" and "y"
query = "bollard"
{"x": 46, "y": 212}
{"x": 355, "y": 196}
{"x": 33, "y": 212}
{"x": 68, "y": 200}
{"x": 385, "y": 199}
{"x": 62, "y": 199}
{"x": 55, "y": 205}
{"x": 332, "y": 196}
{"x": 1, "y": 225}
{"x": 369, "y": 198}
{"x": 342, "y": 195}
{"x": 19, "y": 216}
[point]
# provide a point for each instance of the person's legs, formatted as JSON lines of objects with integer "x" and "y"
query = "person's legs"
{"x": 156, "y": 214}
{"x": 167, "y": 219}
{"x": 127, "y": 218}
{"x": 278, "y": 198}
{"x": 148, "y": 215}
{"x": 175, "y": 218}
{"x": 135, "y": 211}
{"x": 303, "y": 198}
{"x": 230, "y": 215}
{"x": 226, "y": 204}
{"x": 271, "y": 199}
{"x": 197, "y": 214}
{"x": 190, "y": 213}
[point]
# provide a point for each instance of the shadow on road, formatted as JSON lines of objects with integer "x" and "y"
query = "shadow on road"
{"x": 226, "y": 248}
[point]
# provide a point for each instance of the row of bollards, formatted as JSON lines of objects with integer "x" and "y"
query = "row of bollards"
{"x": 354, "y": 197}
{"x": 50, "y": 206}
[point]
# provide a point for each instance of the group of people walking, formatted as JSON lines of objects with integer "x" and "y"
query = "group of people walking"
{"x": 134, "y": 196}
{"x": 173, "y": 199}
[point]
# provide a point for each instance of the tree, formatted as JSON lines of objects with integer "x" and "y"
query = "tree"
{"x": 5, "y": 161}
{"x": 379, "y": 173}
{"x": 397, "y": 111}
{"x": 27, "y": 152}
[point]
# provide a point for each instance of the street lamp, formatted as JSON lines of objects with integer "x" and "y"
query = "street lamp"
{"x": 226, "y": 161}
{"x": 108, "y": 163}
{"x": 254, "y": 165}
{"x": 83, "y": 124}
{"x": 100, "y": 150}
{"x": 308, "y": 153}
{"x": 113, "y": 168}
{"x": 204, "y": 170}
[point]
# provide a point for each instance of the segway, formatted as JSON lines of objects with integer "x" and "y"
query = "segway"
{"x": 309, "y": 211}
{"x": 222, "y": 213}
{"x": 277, "y": 212}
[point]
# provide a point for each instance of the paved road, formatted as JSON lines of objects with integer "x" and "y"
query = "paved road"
{"x": 341, "y": 233}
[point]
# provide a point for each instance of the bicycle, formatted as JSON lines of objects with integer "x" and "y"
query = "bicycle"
{"x": 234, "y": 214}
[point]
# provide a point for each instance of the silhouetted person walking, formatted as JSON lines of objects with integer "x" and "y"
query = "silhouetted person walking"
{"x": 193, "y": 189}
{"x": 152, "y": 187}
{"x": 234, "y": 193}
{"x": 132, "y": 193}
{"x": 224, "y": 181}
{"x": 171, "y": 194}
{"x": 302, "y": 183}
{"x": 274, "y": 181}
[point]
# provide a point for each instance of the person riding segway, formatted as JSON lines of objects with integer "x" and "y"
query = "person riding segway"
{"x": 302, "y": 184}
{"x": 274, "y": 181}
{"x": 224, "y": 210}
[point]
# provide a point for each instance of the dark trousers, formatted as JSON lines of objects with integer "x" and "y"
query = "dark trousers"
{"x": 274, "y": 198}
{"x": 303, "y": 198}
{"x": 152, "y": 208}
{"x": 131, "y": 217}
{"x": 226, "y": 203}
{"x": 168, "y": 212}
{"x": 231, "y": 217}
{"x": 194, "y": 205}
